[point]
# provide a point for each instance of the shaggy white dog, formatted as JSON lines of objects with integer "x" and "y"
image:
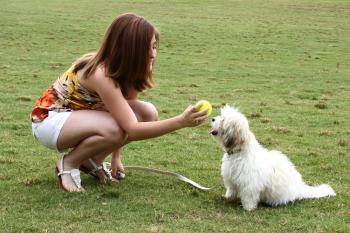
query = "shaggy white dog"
{"x": 253, "y": 173}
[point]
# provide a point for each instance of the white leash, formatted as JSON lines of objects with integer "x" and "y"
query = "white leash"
{"x": 168, "y": 173}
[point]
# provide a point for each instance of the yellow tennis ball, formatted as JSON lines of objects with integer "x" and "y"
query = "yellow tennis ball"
{"x": 205, "y": 105}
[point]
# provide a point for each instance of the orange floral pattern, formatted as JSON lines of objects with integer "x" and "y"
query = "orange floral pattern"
{"x": 64, "y": 95}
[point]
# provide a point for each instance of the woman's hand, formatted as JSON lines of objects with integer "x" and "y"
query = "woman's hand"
{"x": 116, "y": 164}
{"x": 190, "y": 117}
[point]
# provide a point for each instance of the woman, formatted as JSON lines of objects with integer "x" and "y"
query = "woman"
{"x": 93, "y": 110}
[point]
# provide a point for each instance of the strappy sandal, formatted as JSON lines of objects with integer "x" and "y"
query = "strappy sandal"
{"x": 74, "y": 173}
{"x": 95, "y": 169}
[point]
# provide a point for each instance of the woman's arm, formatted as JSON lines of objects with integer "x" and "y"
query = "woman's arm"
{"x": 119, "y": 108}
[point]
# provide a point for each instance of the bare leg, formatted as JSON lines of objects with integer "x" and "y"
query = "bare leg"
{"x": 95, "y": 134}
{"x": 89, "y": 133}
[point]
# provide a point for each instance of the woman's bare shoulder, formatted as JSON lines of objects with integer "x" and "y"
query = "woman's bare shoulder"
{"x": 96, "y": 79}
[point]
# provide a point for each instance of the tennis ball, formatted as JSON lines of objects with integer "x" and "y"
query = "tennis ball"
{"x": 205, "y": 105}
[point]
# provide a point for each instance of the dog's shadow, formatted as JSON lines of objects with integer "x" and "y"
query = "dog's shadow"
{"x": 222, "y": 204}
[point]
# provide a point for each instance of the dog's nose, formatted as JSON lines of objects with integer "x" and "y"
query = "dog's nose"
{"x": 214, "y": 132}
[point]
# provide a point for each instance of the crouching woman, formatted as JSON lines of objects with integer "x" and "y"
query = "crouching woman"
{"x": 92, "y": 109}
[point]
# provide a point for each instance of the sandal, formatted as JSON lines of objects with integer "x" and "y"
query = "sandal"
{"x": 95, "y": 169}
{"x": 74, "y": 173}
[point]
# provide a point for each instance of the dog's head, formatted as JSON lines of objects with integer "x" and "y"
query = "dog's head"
{"x": 230, "y": 129}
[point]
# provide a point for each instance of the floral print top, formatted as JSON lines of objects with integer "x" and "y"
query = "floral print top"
{"x": 64, "y": 95}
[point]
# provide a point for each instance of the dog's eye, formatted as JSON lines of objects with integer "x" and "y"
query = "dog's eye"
{"x": 212, "y": 119}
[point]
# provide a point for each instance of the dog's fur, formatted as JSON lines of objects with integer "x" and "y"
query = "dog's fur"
{"x": 251, "y": 172}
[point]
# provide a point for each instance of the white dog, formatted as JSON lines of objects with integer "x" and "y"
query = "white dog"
{"x": 253, "y": 173}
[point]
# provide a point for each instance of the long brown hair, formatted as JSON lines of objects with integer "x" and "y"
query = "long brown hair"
{"x": 124, "y": 52}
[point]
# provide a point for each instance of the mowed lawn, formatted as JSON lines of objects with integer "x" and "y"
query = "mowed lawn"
{"x": 284, "y": 63}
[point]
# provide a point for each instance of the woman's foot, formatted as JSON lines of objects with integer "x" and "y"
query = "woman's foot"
{"x": 69, "y": 177}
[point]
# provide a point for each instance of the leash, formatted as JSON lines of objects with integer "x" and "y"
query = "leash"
{"x": 167, "y": 173}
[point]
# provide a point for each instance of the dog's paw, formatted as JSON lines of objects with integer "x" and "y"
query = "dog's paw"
{"x": 228, "y": 200}
{"x": 249, "y": 207}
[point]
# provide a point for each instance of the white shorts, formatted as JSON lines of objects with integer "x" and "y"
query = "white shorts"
{"x": 47, "y": 131}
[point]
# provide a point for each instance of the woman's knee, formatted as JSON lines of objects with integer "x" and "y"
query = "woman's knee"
{"x": 144, "y": 111}
{"x": 149, "y": 113}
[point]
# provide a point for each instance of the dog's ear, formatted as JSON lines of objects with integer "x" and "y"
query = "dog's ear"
{"x": 233, "y": 136}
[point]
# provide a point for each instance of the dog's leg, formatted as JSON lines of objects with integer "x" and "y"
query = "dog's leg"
{"x": 230, "y": 191}
{"x": 250, "y": 200}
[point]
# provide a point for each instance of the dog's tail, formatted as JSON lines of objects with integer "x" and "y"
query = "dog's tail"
{"x": 323, "y": 190}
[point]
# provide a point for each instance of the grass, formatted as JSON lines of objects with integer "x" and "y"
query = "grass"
{"x": 284, "y": 63}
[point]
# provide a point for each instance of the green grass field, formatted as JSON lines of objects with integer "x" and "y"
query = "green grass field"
{"x": 285, "y": 63}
